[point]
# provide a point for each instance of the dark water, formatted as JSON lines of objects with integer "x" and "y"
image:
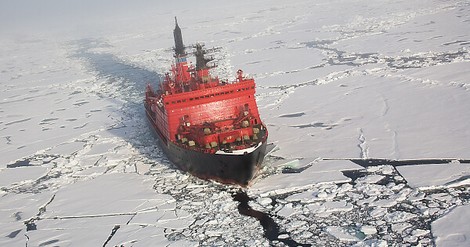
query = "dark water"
{"x": 30, "y": 226}
{"x": 271, "y": 229}
{"x": 294, "y": 170}
{"x": 20, "y": 163}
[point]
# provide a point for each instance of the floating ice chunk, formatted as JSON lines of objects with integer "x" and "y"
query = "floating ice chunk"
{"x": 283, "y": 183}
{"x": 283, "y": 236}
{"x": 319, "y": 173}
{"x": 400, "y": 227}
{"x": 452, "y": 229}
{"x": 399, "y": 216}
{"x": 287, "y": 211}
{"x": 371, "y": 179}
{"x": 328, "y": 207}
{"x": 378, "y": 212}
{"x": 306, "y": 196}
{"x": 367, "y": 200}
{"x": 419, "y": 232}
{"x": 372, "y": 243}
{"x": 214, "y": 233}
{"x": 265, "y": 201}
{"x": 335, "y": 206}
{"x": 401, "y": 195}
{"x": 368, "y": 230}
{"x": 384, "y": 203}
{"x": 322, "y": 195}
{"x": 371, "y": 190}
{"x": 297, "y": 225}
{"x": 142, "y": 168}
{"x": 436, "y": 175}
{"x": 343, "y": 234}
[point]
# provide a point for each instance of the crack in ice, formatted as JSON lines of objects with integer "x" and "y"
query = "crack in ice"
{"x": 363, "y": 145}
{"x": 30, "y": 223}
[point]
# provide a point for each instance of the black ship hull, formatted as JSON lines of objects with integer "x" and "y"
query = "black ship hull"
{"x": 223, "y": 167}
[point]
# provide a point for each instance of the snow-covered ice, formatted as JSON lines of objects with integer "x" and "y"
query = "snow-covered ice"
{"x": 436, "y": 175}
{"x": 453, "y": 230}
{"x": 366, "y": 103}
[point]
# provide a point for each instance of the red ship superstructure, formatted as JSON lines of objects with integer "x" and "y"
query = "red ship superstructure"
{"x": 207, "y": 127}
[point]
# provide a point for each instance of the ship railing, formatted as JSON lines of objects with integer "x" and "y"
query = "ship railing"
{"x": 260, "y": 133}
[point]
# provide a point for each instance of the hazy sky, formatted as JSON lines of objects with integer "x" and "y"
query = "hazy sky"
{"x": 56, "y": 19}
{"x": 20, "y": 17}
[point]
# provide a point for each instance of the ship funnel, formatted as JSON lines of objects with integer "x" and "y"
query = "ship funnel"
{"x": 179, "y": 47}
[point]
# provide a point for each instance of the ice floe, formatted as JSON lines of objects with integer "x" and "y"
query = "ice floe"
{"x": 361, "y": 100}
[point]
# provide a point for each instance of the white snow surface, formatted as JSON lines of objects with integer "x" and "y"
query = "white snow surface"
{"x": 453, "y": 230}
{"x": 339, "y": 83}
{"x": 452, "y": 174}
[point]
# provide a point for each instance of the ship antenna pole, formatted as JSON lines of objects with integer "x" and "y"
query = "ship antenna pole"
{"x": 179, "y": 46}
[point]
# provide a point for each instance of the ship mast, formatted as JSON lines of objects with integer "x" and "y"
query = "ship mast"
{"x": 201, "y": 60}
{"x": 179, "y": 46}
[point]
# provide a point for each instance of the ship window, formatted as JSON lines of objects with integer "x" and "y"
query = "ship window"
{"x": 190, "y": 98}
{"x": 207, "y": 96}
{"x": 179, "y": 101}
{"x": 197, "y": 98}
{"x": 173, "y": 102}
{"x": 184, "y": 100}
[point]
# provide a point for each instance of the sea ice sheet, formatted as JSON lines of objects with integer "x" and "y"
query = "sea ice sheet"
{"x": 335, "y": 80}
